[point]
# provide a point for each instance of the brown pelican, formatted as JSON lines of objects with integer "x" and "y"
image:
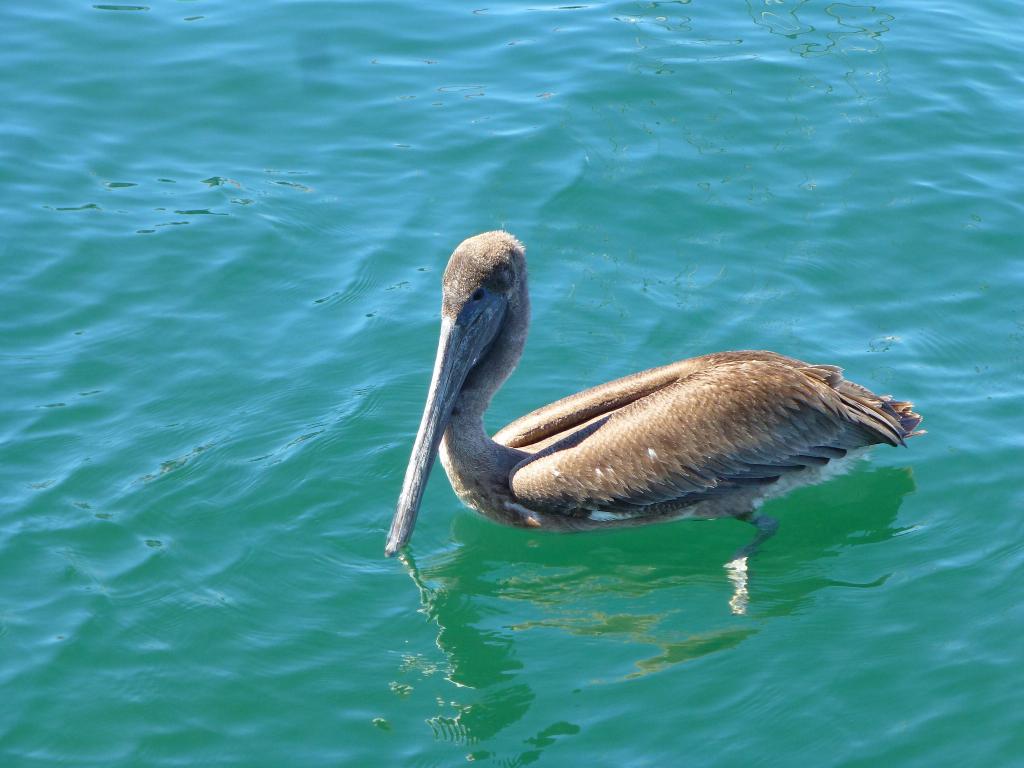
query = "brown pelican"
{"x": 700, "y": 438}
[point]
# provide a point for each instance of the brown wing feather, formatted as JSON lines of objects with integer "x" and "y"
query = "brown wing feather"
{"x": 738, "y": 419}
{"x": 558, "y": 419}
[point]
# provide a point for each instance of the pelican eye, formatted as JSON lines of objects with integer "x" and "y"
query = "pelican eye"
{"x": 478, "y": 294}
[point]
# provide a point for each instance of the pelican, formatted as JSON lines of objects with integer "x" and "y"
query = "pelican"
{"x": 707, "y": 437}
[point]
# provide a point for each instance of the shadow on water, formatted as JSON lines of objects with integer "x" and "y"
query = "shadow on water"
{"x": 659, "y": 586}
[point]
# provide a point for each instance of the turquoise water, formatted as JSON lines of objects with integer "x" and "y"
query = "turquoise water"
{"x": 223, "y": 231}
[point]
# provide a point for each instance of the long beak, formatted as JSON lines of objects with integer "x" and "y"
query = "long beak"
{"x": 463, "y": 342}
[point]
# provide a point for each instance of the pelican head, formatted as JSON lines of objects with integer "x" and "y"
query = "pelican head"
{"x": 484, "y": 314}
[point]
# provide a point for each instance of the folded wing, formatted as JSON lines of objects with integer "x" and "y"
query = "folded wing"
{"x": 687, "y": 432}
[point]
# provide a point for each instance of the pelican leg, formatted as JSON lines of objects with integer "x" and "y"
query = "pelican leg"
{"x": 738, "y": 568}
{"x": 766, "y": 528}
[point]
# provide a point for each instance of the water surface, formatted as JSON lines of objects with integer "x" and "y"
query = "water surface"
{"x": 223, "y": 232}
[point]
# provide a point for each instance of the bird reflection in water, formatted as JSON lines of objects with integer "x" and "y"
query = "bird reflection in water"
{"x": 660, "y": 587}
{"x": 479, "y": 660}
